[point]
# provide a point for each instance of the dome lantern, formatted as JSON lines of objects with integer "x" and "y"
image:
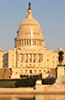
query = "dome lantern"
{"x": 29, "y": 11}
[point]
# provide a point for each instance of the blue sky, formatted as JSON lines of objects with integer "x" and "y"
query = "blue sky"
{"x": 49, "y": 13}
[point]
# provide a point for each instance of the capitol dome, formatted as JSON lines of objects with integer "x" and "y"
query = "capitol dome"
{"x": 29, "y": 21}
{"x": 29, "y": 32}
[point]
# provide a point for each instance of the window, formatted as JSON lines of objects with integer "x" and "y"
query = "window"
{"x": 47, "y": 55}
{"x": 25, "y": 71}
{"x": 9, "y": 76}
{"x": 35, "y": 71}
{"x": 53, "y": 61}
{"x": 12, "y": 60}
{"x": 47, "y": 60}
{"x": 16, "y": 73}
{"x": 39, "y": 71}
{"x": 31, "y": 71}
{"x": 33, "y": 65}
{"x": 53, "y": 56}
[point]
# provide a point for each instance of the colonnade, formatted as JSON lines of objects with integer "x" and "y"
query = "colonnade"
{"x": 29, "y": 42}
{"x": 30, "y": 57}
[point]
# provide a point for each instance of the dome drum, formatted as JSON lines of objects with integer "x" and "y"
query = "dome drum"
{"x": 29, "y": 42}
{"x": 29, "y": 31}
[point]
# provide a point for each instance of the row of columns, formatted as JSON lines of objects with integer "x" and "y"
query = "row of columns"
{"x": 30, "y": 57}
{"x": 30, "y": 42}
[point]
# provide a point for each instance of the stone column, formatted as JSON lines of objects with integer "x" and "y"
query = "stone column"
{"x": 28, "y": 41}
{"x": 28, "y": 58}
{"x": 32, "y": 57}
{"x": 38, "y": 58}
{"x": 23, "y": 57}
{"x": 36, "y": 42}
{"x": 42, "y": 42}
{"x": 21, "y": 42}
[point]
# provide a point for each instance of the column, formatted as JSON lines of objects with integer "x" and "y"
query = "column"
{"x": 32, "y": 57}
{"x": 28, "y": 58}
{"x": 36, "y": 42}
{"x": 42, "y": 57}
{"x": 21, "y": 57}
{"x": 26, "y": 41}
{"x": 42, "y": 42}
{"x": 38, "y": 58}
{"x": 21, "y": 42}
{"x": 24, "y": 57}
{"x": 30, "y": 42}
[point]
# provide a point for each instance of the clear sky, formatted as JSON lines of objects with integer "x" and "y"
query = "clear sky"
{"x": 49, "y": 13}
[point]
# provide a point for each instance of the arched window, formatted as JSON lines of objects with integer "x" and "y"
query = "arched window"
{"x": 35, "y": 71}
{"x": 31, "y": 71}
{"x": 25, "y": 71}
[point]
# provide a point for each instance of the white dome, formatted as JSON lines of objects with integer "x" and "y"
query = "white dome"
{"x": 29, "y": 33}
{"x": 29, "y": 21}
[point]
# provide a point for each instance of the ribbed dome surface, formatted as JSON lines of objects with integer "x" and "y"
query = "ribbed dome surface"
{"x": 29, "y": 21}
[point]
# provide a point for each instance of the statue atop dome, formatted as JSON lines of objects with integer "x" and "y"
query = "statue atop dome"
{"x": 29, "y": 6}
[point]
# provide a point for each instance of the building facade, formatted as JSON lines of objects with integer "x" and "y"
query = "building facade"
{"x": 30, "y": 57}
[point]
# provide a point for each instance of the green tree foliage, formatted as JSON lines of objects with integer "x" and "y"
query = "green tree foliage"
{"x": 30, "y": 81}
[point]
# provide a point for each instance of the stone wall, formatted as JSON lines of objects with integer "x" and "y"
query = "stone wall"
{"x": 53, "y": 72}
{"x": 14, "y": 73}
{"x": 5, "y": 73}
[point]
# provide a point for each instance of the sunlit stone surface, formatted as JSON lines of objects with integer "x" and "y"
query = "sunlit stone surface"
{"x": 32, "y": 97}
{"x": 29, "y": 56}
{"x": 60, "y": 75}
